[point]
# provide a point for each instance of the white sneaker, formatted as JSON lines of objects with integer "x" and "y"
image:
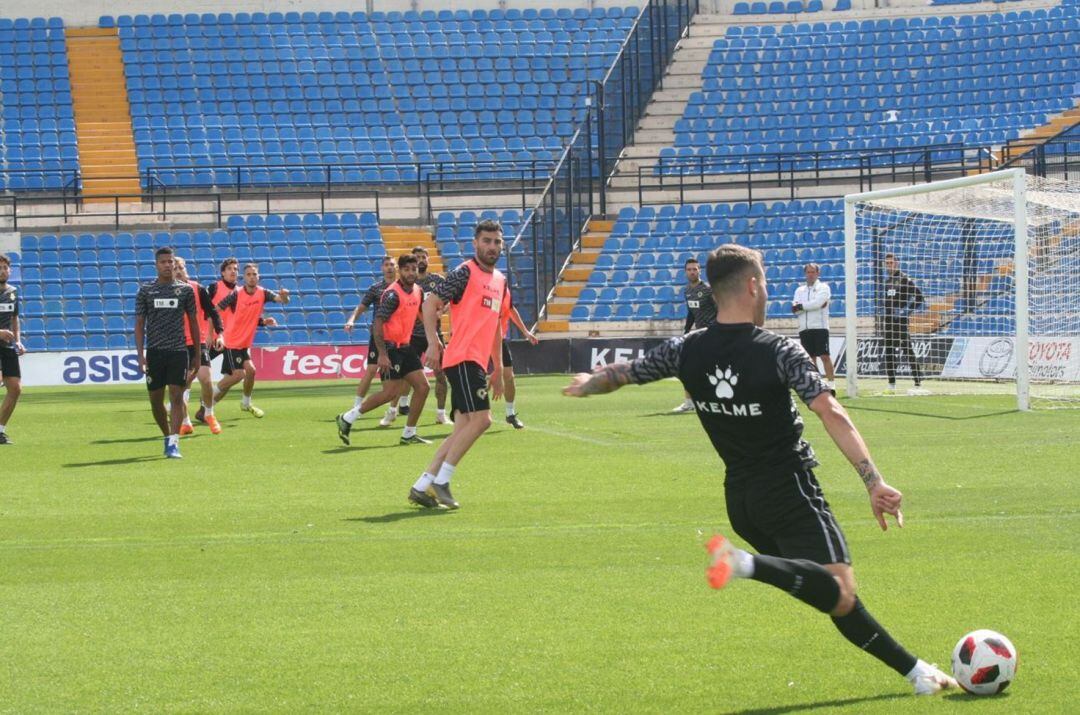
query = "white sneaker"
{"x": 443, "y": 419}
{"x": 918, "y": 392}
{"x": 890, "y": 390}
{"x": 389, "y": 417}
{"x": 684, "y": 407}
{"x": 928, "y": 679}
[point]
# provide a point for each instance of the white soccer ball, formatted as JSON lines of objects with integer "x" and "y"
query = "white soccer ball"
{"x": 984, "y": 662}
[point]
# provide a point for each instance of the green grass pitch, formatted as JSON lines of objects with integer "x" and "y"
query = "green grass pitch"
{"x": 274, "y": 570}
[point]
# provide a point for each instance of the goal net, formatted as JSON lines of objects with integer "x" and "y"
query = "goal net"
{"x": 966, "y": 285}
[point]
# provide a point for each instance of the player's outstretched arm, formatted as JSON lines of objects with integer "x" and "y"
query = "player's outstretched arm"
{"x": 605, "y": 379}
{"x": 883, "y": 498}
{"x": 660, "y": 362}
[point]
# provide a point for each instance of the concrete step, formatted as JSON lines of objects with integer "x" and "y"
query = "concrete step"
{"x": 568, "y": 291}
{"x": 601, "y": 225}
{"x": 577, "y": 274}
{"x": 550, "y": 326}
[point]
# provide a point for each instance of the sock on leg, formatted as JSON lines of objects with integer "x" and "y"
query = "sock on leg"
{"x": 446, "y": 473}
{"x": 2, "y": 428}
{"x": 861, "y": 629}
{"x": 187, "y": 396}
{"x": 404, "y": 401}
{"x": 424, "y": 481}
{"x": 352, "y": 415}
{"x": 246, "y": 400}
{"x": 358, "y": 401}
{"x": 408, "y": 432}
{"x": 441, "y": 413}
{"x": 174, "y": 439}
{"x": 809, "y": 582}
{"x": 510, "y": 409}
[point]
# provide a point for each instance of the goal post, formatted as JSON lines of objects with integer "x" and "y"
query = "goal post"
{"x": 966, "y": 285}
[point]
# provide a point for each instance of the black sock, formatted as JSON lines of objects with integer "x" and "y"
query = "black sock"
{"x": 860, "y": 628}
{"x": 809, "y": 582}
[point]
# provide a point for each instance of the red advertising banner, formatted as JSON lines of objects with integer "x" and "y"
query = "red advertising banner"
{"x": 310, "y": 362}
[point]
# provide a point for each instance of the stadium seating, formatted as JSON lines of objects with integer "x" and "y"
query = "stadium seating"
{"x": 977, "y": 80}
{"x": 79, "y": 290}
{"x": 376, "y": 93}
{"x": 37, "y": 135}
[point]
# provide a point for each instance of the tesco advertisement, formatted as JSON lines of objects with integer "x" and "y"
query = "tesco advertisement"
{"x": 116, "y": 367}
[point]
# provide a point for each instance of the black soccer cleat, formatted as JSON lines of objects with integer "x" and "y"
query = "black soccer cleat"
{"x": 343, "y": 429}
{"x": 201, "y": 415}
{"x": 422, "y": 499}
{"x": 514, "y": 422}
{"x": 415, "y": 439}
{"x": 4, "y": 439}
{"x": 403, "y": 410}
{"x": 444, "y": 497}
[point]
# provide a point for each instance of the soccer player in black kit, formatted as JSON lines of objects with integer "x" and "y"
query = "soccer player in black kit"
{"x": 700, "y": 311}
{"x": 899, "y": 298}
{"x": 740, "y": 378}
{"x": 11, "y": 348}
{"x": 160, "y": 309}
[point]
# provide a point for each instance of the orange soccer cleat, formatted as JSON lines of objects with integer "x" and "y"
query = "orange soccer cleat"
{"x": 215, "y": 426}
{"x": 721, "y": 555}
{"x": 186, "y": 430}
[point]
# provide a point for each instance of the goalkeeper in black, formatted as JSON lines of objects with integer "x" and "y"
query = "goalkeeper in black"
{"x": 900, "y": 297}
{"x": 741, "y": 379}
{"x": 700, "y": 311}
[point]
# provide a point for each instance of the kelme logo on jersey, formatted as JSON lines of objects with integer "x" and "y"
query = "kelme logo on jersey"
{"x": 724, "y": 382}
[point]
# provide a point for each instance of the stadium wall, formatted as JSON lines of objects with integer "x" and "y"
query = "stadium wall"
{"x": 87, "y": 13}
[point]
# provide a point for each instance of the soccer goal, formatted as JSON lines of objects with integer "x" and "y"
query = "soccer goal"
{"x": 966, "y": 285}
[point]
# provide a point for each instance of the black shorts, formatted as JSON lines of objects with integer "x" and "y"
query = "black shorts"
{"x": 815, "y": 341}
{"x": 234, "y": 360}
{"x": 166, "y": 367}
{"x": 508, "y": 357}
{"x": 9, "y": 363}
{"x": 204, "y": 355}
{"x": 419, "y": 343}
{"x": 468, "y": 387}
{"x": 212, "y": 354}
{"x": 785, "y": 514}
{"x": 403, "y": 361}
{"x": 372, "y": 353}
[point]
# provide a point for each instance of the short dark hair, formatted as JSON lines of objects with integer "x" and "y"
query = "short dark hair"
{"x": 230, "y": 261}
{"x": 406, "y": 259}
{"x": 728, "y": 265}
{"x": 689, "y": 261}
{"x": 487, "y": 224}
{"x": 890, "y": 255}
{"x": 163, "y": 251}
{"x": 387, "y": 258}
{"x": 4, "y": 259}
{"x": 815, "y": 266}
{"x": 251, "y": 265}
{"x": 419, "y": 249}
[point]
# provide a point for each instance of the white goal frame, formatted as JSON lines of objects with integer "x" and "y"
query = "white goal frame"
{"x": 1020, "y": 223}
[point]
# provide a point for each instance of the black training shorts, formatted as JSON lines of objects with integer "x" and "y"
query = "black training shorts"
{"x": 468, "y": 387}
{"x": 234, "y": 360}
{"x": 403, "y": 360}
{"x": 204, "y": 355}
{"x": 372, "y": 353}
{"x": 166, "y": 367}
{"x": 9, "y": 363}
{"x": 419, "y": 344}
{"x": 815, "y": 341}
{"x": 785, "y": 514}
{"x": 508, "y": 357}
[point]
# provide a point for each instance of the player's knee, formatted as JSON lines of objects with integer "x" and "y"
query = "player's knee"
{"x": 481, "y": 421}
{"x": 846, "y": 602}
{"x": 14, "y": 388}
{"x": 421, "y": 389}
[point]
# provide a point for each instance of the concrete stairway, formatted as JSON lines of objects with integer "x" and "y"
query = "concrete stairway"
{"x": 573, "y": 279}
{"x": 400, "y": 240}
{"x": 102, "y": 114}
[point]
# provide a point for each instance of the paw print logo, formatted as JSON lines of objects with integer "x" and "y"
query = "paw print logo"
{"x": 725, "y": 381}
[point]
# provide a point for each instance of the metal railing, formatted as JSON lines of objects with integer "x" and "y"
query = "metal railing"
{"x": 1057, "y": 157}
{"x": 579, "y": 183}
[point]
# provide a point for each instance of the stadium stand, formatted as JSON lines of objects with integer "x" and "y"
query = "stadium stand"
{"x": 79, "y": 289}
{"x": 877, "y": 84}
{"x": 38, "y": 129}
{"x": 373, "y": 92}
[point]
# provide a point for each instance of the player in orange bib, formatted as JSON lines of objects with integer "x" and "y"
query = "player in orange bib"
{"x": 246, "y": 305}
{"x": 476, "y": 292}
{"x": 398, "y": 361}
{"x": 207, "y": 316}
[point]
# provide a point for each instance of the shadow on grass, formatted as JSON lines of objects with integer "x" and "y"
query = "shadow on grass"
{"x": 958, "y": 697}
{"x": 913, "y": 413}
{"x": 667, "y": 413}
{"x": 115, "y": 462}
{"x": 127, "y": 440}
{"x": 821, "y": 705}
{"x": 399, "y": 516}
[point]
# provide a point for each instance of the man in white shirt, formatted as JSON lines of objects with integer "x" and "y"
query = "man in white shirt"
{"x": 811, "y": 306}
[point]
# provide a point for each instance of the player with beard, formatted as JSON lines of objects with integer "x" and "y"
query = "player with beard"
{"x": 368, "y": 301}
{"x": 208, "y": 316}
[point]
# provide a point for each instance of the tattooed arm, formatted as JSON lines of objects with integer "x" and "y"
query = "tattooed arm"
{"x": 883, "y": 498}
{"x": 660, "y": 362}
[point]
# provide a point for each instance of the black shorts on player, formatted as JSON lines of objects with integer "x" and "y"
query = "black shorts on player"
{"x": 468, "y": 387}
{"x": 166, "y": 367}
{"x": 419, "y": 344}
{"x": 403, "y": 360}
{"x": 204, "y": 355}
{"x": 508, "y": 357}
{"x": 234, "y": 360}
{"x": 785, "y": 514}
{"x": 9, "y": 363}
{"x": 372, "y": 353}
{"x": 815, "y": 341}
